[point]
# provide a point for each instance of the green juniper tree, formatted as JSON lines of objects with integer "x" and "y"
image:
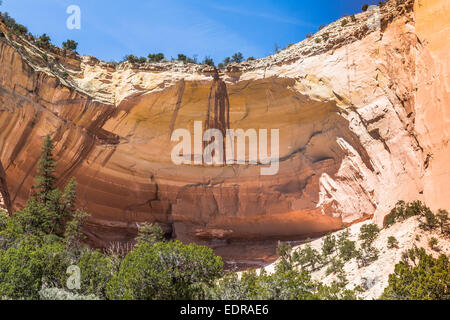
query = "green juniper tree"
{"x": 70, "y": 45}
{"x": 419, "y": 276}
{"x": 392, "y": 242}
{"x": 237, "y": 57}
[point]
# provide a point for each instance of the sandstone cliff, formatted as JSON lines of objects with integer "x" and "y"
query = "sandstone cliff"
{"x": 363, "y": 117}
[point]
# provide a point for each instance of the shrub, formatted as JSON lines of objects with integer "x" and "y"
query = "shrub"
{"x": 365, "y": 7}
{"x": 237, "y": 57}
{"x": 321, "y": 27}
{"x": 167, "y": 270}
{"x": 155, "y": 57}
{"x": 96, "y": 272}
{"x": 149, "y": 233}
{"x": 307, "y": 258}
{"x": 12, "y": 25}
{"x": 44, "y": 41}
{"x": 325, "y": 36}
{"x": 353, "y": 17}
{"x": 182, "y": 57}
{"x": 344, "y": 22}
{"x": 431, "y": 221}
{"x": 308, "y": 35}
{"x": 285, "y": 285}
{"x": 368, "y": 233}
{"x": 70, "y": 45}
{"x": 392, "y": 242}
{"x": 318, "y": 40}
{"x": 208, "y": 61}
{"x": 226, "y": 61}
{"x": 443, "y": 221}
{"x": 336, "y": 264}
{"x": 347, "y": 250}
{"x": 131, "y": 58}
{"x": 328, "y": 245}
{"x": 366, "y": 254}
{"x": 433, "y": 243}
{"x": 185, "y": 59}
{"x": 419, "y": 277}
{"x": 230, "y": 287}
{"x": 251, "y": 59}
{"x": 403, "y": 211}
{"x": 24, "y": 269}
{"x": 3, "y": 220}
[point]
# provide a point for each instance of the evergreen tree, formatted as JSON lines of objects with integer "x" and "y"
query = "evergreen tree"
{"x": 46, "y": 169}
{"x": 444, "y": 221}
{"x": 70, "y": 45}
{"x": 237, "y": 57}
{"x": 149, "y": 233}
{"x": 73, "y": 236}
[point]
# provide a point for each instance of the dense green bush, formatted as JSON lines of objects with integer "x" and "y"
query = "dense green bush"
{"x": 26, "y": 267}
{"x": 287, "y": 282}
{"x": 403, "y": 211}
{"x": 208, "y": 61}
{"x": 237, "y": 57}
{"x": 368, "y": 233}
{"x": 428, "y": 220}
{"x": 133, "y": 59}
{"x": 419, "y": 277}
{"x": 12, "y": 25}
{"x": 347, "y": 250}
{"x": 443, "y": 221}
{"x": 96, "y": 271}
{"x": 44, "y": 41}
{"x": 328, "y": 245}
{"x": 70, "y": 45}
{"x": 186, "y": 59}
{"x": 155, "y": 57}
{"x": 167, "y": 270}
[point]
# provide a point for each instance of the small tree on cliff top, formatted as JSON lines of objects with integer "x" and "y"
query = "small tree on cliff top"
{"x": 70, "y": 45}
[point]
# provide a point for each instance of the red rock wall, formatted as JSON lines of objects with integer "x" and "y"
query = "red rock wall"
{"x": 363, "y": 123}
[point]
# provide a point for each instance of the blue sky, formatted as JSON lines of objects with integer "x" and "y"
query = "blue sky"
{"x": 112, "y": 29}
